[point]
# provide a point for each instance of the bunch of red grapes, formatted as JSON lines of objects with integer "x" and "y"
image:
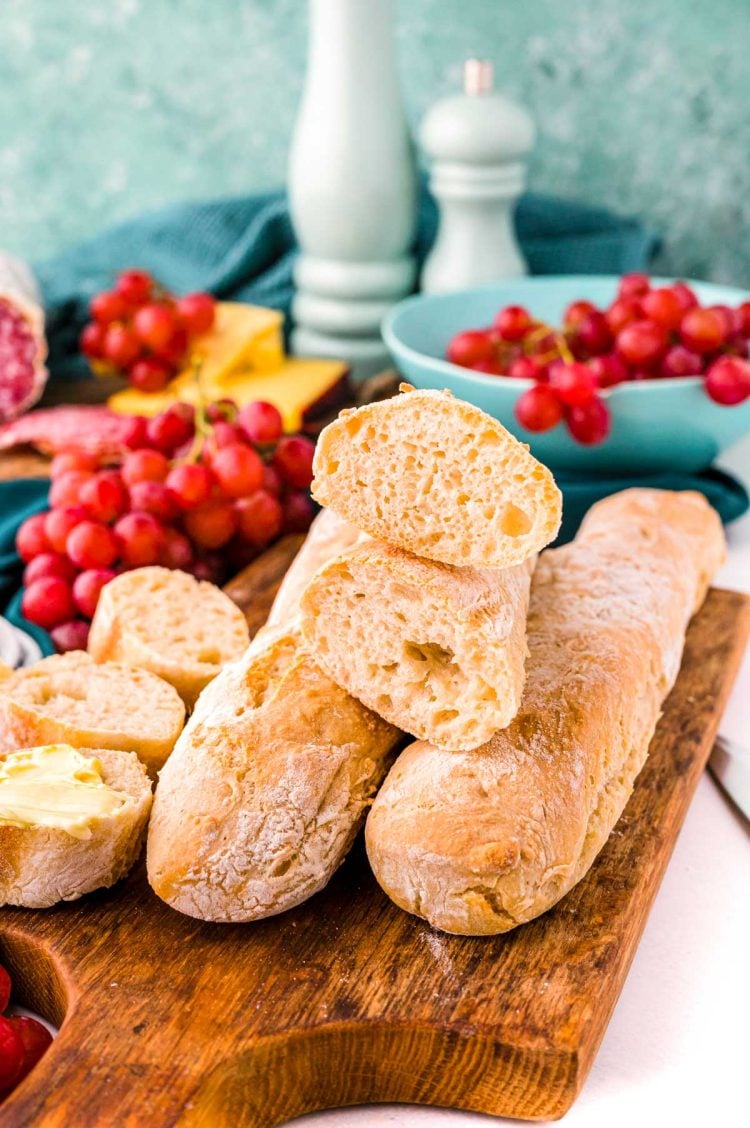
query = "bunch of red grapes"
{"x": 646, "y": 333}
{"x": 141, "y": 331}
{"x": 205, "y": 494}
{"x": 23, "y": 1040}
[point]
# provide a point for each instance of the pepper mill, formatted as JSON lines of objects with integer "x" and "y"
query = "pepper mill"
{"x": 478, "y": 141}
{"x": 352, "y": 186}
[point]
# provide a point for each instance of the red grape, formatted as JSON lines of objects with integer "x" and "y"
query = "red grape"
{"x": 589, "y": 422}
{"x": 609, "y": 369}
{"x": 190, "y": 484}
{"x": 11, "y": 1054}
{"x": 170, "y": 430}
{"x": 680, "y": 361}
{"x": 91, "y": 341}
{"x": 144, "y": 466}
{"x": 35, "y": 1039}
{"x": 87, "y": 587}
{"x": 538, "y": 408}
{"x": 261, "y": 422}
{"x": 66, "y": 489}
{"x": 108, "y": 306}
{"x": 150, "y": 374}
{"x": 134, "y": 286}
{"x": 574, "y": 383}
{"x": 92, "y": 545}
{"x": 154, "y": 325}
{"x": 5, "y": 988}
{"x": 728, "y": 380}
{"x": 491, "y": 367}
{"x": 59, "y": 523}
{"x": 703, "y": 330}
{"x": 48, "y": 602}
{"x": 592, "y": 334}
{"x": 173, "y": 352}
{"x": 223, "y": 409}
{"x": 31, "y": 538}
{"x": 744, "y": 312}
{"x": 271, "y": 480}
{"x": 526, "y": 368}
{"x": 104, "y": 498}
{"x": 197, "y": 312}
{"x": 732, "y": 318}
{"x": 513, "y": 323}
{"x": 260, "y": 518}
{"x": 73, "y": 635}
{"x": 663, "y": 306}
{"x": 633, "y": 285}
{"x": 212, "y": 524}
{"x": 225, "y": 434}
{"x": 298, "y": 512}
{"x": 135, "y": 432}
{"x": 72, "y": 460}
{"x": 177, "y": 551}
{"x": 685, "y": 295}
{"x": 293, "y": 460}
{"x": 140, "y": 538}
{"x": 622, "y": 312}
{"x": 238, "y": 470}
{"x": 577, "y": 312}
{"x": 154, "y": 498}
{"x": 49, "y": 564}
{"x": 470, "y": 346}
{"x": 642, "y": 343}
{"x": 208, "y": 569}
{"x": 121, "y": 346}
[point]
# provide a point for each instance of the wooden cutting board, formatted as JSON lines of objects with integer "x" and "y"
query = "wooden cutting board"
{"x": 347, "y": 1000}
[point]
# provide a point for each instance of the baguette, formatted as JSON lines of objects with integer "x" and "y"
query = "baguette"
{"x": 41, "y": 865}
{"x": 438, "y": 651}
{"x": 436, "y": 476}
{"x": 163, "y": 620}
{"x": 479, "y": 842}
{"x": 70, "y": 699}
{"x": 271, "y": 779}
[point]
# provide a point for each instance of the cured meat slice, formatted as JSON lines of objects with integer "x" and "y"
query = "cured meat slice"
{"x": 91, "y": 428}
{"x": 23, "y": 347}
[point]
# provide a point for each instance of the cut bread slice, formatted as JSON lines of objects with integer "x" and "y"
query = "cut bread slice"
{"x": 436, "y": 650}
{"x": 41, "y": 865}
{"x": 436, "y": 476}
{"x": 70, "y": 699}
{"x": 181, "y": 629}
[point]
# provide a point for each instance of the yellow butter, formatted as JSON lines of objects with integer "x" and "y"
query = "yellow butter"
{"x": 55, "y": 786}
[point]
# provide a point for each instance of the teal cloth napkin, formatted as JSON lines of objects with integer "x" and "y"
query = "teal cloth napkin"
{"x": 243, "y": 249}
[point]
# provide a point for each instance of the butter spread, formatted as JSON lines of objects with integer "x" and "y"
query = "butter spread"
{"x": 55, "y": 786}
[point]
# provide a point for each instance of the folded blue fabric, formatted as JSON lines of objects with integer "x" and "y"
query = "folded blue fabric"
{"x": 243, "y": 249}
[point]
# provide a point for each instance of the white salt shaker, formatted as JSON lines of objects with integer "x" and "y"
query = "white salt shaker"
{"x": 352, "y": 185}
{"x": 478, "y": 142}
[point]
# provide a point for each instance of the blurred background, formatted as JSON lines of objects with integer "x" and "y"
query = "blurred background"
{"x": 641, "y": 107}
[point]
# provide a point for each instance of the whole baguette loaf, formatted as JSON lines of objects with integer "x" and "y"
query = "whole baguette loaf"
{"x": 163, "y": 620}
{"x": 479, "y": 842}
{"x": 437, "y": 650}
{"x": 70, "y": 699}
{"x": 270, "y": 780}
{"x": 436, "y": 476}
{"x": 40, "y": 866}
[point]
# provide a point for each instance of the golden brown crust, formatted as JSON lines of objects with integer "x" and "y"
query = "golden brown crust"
{"x": 478, "y": 842}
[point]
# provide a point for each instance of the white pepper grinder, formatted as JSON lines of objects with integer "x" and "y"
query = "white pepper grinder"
{"x": 478, "y": 142}
{"x": 352, "y": 186}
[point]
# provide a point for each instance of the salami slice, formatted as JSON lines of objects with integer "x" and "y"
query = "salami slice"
{"x": 91, "y": 428}
{"x": 23, "y": 347}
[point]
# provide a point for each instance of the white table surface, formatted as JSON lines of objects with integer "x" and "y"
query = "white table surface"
{"x": 677, "y": 1050}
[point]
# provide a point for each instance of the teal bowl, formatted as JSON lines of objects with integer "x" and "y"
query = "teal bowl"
{"x": 657, "y": 425}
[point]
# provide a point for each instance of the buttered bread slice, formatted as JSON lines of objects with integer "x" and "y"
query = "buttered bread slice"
{"x": 436, "y": 650}
{"x": 438, "y": 477}
{"x": 71, "y": 699}
{"x": 71, "y": 821}
{"x": 159, "y": 619}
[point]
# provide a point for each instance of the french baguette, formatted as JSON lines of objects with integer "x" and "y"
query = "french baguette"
{"x": 271, "y": 779}
{"x": 437, "y": 650}
{"x": 436, "y": 476}
{"x": 70, "y": 699}
{"x": 479, "y": 842}
{"x": 163, "y": 620}
{"x": 40, "y": 866}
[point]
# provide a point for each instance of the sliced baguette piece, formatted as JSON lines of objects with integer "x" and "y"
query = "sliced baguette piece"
{"x": 70, "y": 699}
{"x": 438, "y": 477}
{"x": 163, "y": 620}
{"x": 40, "y": 866}
{"x": 271, "y": 779}
{"x": 479, "y": 842}
{"x": 438, "y": 651}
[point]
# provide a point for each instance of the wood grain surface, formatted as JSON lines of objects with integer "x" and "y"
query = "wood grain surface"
{"x": 346, "y": 999}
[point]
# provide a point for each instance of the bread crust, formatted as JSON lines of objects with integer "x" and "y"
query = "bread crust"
{"x": 438, "y": 651}
{"x": 40, "y": 867}
{"x": 479, "y": 842}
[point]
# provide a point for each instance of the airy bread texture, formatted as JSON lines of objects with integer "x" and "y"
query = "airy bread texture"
{"x": 70, "y": 699}
{"x": 159, "y": 619}
{"x": 40, "y": 867}
{"x": 438, "y": 651}
{"x": 479, "y": 842}
{"x": 271, "y": 779}
{"x": 437, "y": 477}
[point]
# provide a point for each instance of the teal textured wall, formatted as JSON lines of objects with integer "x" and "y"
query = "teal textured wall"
{"x": 108, "y": 109}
